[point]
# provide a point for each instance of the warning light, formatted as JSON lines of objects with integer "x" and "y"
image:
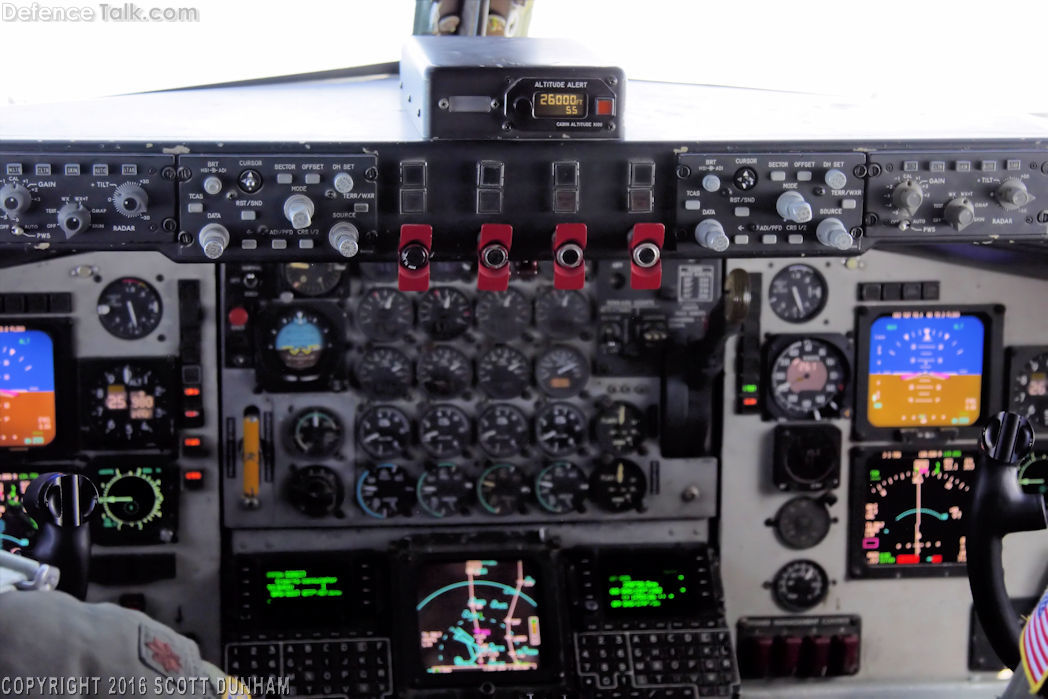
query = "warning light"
{"x": 191, "y": 391}
{"x": 192, "y": 414}
{"x": 605, "y": 106}
{"x": 191, "y": 442}
{"x": 749, "y": 401}
{"x": 194, "y": 475}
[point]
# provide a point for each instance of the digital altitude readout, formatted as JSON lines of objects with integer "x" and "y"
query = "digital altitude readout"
{"x": 479, "y": 616}
{"x": 552, "y": 105}
{"x": 925, "y": 369}
{"x": 912, "y": 509}
{"x": 27, "y": 387}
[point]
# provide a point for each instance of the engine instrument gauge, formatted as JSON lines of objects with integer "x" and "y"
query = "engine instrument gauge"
{"x": 127, "y": 404}
{"x": 445, "y": 313}
{"x": 800, "y": 585}
{"x": 503, "y": 489}
{"x": 907, "y": 513}
{"x": 503, "y": 315}
{"x": 386, "y": 490}
{"x": 300, "y": 338}
{"x": 316, "y": 491}
{"x": 560, "y": 429}
{"x": 802, "y": 522}
{"x": 444, "y": 490}
{"x": 444, "y": 372}
{"x": 1033, "y": 474}
{"x": 138, "y": 505}
{"x": 503, "y": 372}
{"x": 444, "y": 431}
{"x": 1030, "y": 385}
{"x": 561, "y": 488}
{"x": 316, "y": 432}
{"x": 384, "y": 373}
{"x": 561, "y": 313}
{"x": 502, "y": 430}
{"x": 562, "y": 371}
{"x": 129, "y": 308}
{"x": 797, "y": 293}
{"x": 384, "y": 314}
{"x": 384, "y": 432}
{"x": 620, "y": 428}
{"x": 313, "y": 278}
{"x": 618, "y": 486}
{"x": 808, "y": 378}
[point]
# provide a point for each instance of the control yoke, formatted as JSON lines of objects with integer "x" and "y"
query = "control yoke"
{"x": 62, "y": 504}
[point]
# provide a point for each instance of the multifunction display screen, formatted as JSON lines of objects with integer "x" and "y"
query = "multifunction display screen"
{"x": 27, "y": 387}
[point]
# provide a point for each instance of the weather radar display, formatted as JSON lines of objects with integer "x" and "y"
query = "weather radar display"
{"x": 478, "y": 616}
{"x": 925, "y": 369}
{"x": 27, "y": 387}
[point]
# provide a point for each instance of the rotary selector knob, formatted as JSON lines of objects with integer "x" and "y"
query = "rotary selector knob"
{"x": 710, "y": 234}
{"x": 835, "y": 179}
{"x": 907, "y": 198}
{"x": 792, "y": 207}
{"x": 130, "y": 199}
{"x": 959, "y": 213}
{"x": 316, "y": 491}
{"x": 711, "y": 183}
{"x": 1012, "y": 194}
{"x": 212, "y": 184}
{"x": 73, "y": 218}
{"x": 214, "y": 239}
{"x": 15, "y": 199}
{"x": 343, "y": 183}
{"x": 298, "y": 208}
{"x": 832, "y": 233}
{"x": 345, "y": 237}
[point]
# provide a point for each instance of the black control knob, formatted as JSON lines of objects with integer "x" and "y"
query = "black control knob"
{"x": 315, "y": 491}
{"x": 15, "y": 199}
{"x": 1012, "y": 194}
{"x": 907, "y": 197}
{"x": 73, "y": 218}
{"x": 62, "y": 504}
{"x": 414, "y": 256}
{"x": 130, "y": 200}
{"x": 959, "y": 213}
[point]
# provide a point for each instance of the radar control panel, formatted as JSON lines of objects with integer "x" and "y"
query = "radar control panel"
{"x": 547, "y": 419}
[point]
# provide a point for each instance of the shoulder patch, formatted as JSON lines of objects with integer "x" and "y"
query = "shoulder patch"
{"x": 166, "y": 653}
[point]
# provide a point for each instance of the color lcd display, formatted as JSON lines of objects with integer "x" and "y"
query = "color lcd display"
{"x": 303, "y": 591}
{"x": 648, "y": 586}
{"x": 925, "y": 369}
{"x": 27, "y": 387}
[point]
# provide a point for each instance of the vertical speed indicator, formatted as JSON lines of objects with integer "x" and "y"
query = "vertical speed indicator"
{"x": 797, "y": 293}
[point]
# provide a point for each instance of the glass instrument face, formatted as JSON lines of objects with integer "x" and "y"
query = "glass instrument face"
{"x": 28, "y": 412}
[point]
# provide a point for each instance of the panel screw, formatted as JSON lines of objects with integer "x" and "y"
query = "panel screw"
{"x": 683, "y": 172}
{"x": 170, "y": 225}
{"x": 1042, "y": 216}
{"x": 168, "y": 173}
{"x": 184, "y": 238}
{"x": 859, "y": 171}
{"x": 371, "y": 173}
{"x": 443, "y": 103}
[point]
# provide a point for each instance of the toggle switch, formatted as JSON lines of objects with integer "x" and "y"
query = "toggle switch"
{"x": 416, "y": 243}
{"x": 569, "y": 263}
{"x": 493, "y": 246}
{"x": 645, "y": 244}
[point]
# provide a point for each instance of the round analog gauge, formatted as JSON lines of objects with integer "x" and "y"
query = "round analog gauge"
{"x": 316, "y": 432}
{"x": 445, "y": 313}
{"x": 386, "y": 490}
{"x": 561, "y": 488}
{"x": 384, "y": 314}
{"x": 503, "y": 489}
{"x": 443, "y": 431}
{"x": 384, "y": 432}
{"x": 502, "y": 430}
{"x": 808, "y": 378}
{"x": 315, "y": 491}
{"x": 131, "y": 499}
{"x": 1033, "y": 474}
{"x": 620, "y": 428}
{"x": 797, "y": 293}
{"x": 1030, "y": 390}
{"x": 300, "y": 339}
{"x": 618, "y": 486}
{"x": 503, "y": 315}
{"x": 444, "y": 372}
{"x": 562, "y": 371}
{"x": 313, "y": 278}
{"x": 560, "y": 429}
{"x": 802, "y": 522}
{"x": 503, "y": 372}
{"x": 444, "y": 490}
{"x": 562, "y": 313}
{"x": 129, "y": 308}
{"x": 17, "y": 529}
{"x": 800, "y": 585}
{"x": 384, "y": 373}
{"x": 913, "y": 509}
{"x": 129, "y": 403}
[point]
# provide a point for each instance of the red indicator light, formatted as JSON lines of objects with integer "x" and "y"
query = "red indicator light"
{"x": 907, "y": 559}
{"x": 194, "y": 476}
{"x": 605, "y": 106}
{"x": 192, "y": 413}
{"x": 191, "y": 442}
{"x": 749, "y": 401}
{"x": 937, "y": 558}
{"x": 191, "y": 391}
{"x": 238, "y": 317}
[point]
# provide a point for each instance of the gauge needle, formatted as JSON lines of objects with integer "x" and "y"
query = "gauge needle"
{"x": 797, "y": 298}
{"x": 118, "y": 498}
{"x": 917, "y": 520}
{"x": 131, "y": 312}
{"x": 565, "y": 368}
